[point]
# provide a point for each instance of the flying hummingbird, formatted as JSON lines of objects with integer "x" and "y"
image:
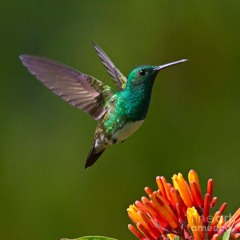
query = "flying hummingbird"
{"x": 119, "y": 113}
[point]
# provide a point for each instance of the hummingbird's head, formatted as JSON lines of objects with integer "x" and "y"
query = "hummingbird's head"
{"x": 147, "y": 73}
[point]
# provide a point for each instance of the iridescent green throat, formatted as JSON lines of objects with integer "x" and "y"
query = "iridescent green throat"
{"x": 134, "y": 101}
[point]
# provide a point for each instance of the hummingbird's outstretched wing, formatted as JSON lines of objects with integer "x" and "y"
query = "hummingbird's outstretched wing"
{"x": 78, "y": 89}
{"x": 117, "y": 76}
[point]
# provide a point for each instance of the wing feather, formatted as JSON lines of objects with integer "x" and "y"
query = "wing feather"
{"x": 78, "y": 89}
{"x": 117, "y": 76}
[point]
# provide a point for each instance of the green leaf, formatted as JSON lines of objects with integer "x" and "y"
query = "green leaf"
{"x": 177, "y": 238}
{"x": 91, "y": 238}
{"x": 226, "y": 235}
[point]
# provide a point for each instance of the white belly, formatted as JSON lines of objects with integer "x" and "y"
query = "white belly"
{"x": 127, "y": 130}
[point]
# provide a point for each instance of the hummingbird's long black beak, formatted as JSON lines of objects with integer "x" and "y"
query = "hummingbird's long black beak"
{"x": 160, "y": 67}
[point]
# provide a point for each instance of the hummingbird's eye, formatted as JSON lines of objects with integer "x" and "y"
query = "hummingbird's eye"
{"x": 142, "y": 72}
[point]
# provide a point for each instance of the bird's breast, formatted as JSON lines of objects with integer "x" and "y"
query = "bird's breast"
{"x": 127, "y": 130}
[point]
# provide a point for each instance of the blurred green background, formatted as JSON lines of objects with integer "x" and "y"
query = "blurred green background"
{"x": 193, "y": 121}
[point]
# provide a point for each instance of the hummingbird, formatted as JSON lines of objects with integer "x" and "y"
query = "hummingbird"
{"x": 119, "y": 113}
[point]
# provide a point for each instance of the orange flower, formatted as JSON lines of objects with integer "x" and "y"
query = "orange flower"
{"x": 195, "y": 223}
{"x": 179, "y": 209}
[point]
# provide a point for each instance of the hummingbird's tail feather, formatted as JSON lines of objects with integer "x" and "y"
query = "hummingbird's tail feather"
{"x": 93, "y": 156}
